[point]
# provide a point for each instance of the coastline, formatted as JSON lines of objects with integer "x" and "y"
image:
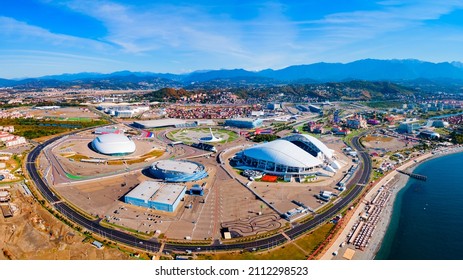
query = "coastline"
{"x": 385, "y": 219}
{"x": 396, "y": 182}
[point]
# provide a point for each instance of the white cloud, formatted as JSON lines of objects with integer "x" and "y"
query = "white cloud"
{"x": 54, "y": 55}
{"x": 160, "y": 27}
{"x": 389, "y": 18}
{"x": 334, "y": 35}
{"x": 12, "y": 29}
{"x": 198, "y": 37}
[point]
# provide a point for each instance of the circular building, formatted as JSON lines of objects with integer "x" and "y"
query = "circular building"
{"x": 113, "y": 145}
{"x": 279, "y": 157}
{"x": 178, "y": 170}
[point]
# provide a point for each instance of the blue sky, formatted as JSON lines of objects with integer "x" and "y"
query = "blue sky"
{"x": 42, "y": 37}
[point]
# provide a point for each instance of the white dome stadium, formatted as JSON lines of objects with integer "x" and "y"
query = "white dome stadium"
{"x": 279, "y": 157}
{"x": 113, "y": 144}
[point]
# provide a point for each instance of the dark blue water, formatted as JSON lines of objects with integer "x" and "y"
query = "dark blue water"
{"x": 427, "y": 220}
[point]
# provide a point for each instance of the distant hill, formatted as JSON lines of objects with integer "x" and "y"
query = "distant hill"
{"x": 7, "y": 83}
{"x": 351, "y": 90}
{"x": 218, "y": 74}
{"x": 398, "y": 71}
{"x": 369, "y": 69}
{"x": 96, "y": 76}
{"x": 233, "y": 82}
{"x": 166, "y": 94}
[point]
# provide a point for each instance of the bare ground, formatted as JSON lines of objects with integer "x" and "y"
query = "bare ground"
{"x": 33, "y": 233}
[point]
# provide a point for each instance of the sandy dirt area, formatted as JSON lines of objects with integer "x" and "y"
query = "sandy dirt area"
{"x": 33, "y": 233}
{"x": 65, "y": 112}
{"x": 384, "y": 144}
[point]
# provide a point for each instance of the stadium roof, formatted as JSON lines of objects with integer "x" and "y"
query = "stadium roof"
{"x": 284, "y": 153}
{"x": 319, "y": 144}
{"x": 322, "y": 147}
{"x": 109, "y": 144}
{"x": 176, "y": 165}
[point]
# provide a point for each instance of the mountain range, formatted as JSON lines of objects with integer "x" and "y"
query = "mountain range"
{"x": 367, "y": 69}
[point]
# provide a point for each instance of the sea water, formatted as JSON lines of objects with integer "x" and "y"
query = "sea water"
{"x": 427, "y": 219}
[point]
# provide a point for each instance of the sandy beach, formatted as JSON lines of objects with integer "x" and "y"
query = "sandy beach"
{"x": 393, "y": 183}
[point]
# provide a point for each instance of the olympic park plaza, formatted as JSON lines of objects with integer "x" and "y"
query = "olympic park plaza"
{"x": 183, "y": 192}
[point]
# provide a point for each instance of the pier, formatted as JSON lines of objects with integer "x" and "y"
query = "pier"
{"x": 413, "y": 175}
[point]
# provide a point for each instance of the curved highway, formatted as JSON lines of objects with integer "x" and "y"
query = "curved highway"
{"x": 356, "y": 185}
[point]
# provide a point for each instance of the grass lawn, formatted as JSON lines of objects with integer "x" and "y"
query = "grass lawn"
{"x": 78, "y": 119}
{"x": 184, "y": 136}
{"x": 376, "y": 175}
{"x": 78, "y": 157}
{"x": 300, "y": 129}
{"x": 311, "y": 241}
{"x": 286, "y": 252}
{"x": 442, "y": 131}
{"x": 352, "y": 134}
{"x": 33, "y": 128}
{"x": 74, "y": 177}
{"x": 289, "y": 251}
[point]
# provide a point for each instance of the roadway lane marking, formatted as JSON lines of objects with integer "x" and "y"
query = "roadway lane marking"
{"x": 286, "y": 236}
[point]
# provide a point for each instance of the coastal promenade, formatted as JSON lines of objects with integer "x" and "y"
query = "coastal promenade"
{"x": 382, "y": 224}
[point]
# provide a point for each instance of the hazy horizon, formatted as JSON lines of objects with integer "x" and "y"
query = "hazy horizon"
{"x": 224, "y": 69}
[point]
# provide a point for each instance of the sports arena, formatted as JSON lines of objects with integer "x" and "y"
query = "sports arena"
{"x": 178, "y": 170}
{"x": 313, "y": 146}
{"x": 295, "y": 155}
{"x": 113, "y": 144}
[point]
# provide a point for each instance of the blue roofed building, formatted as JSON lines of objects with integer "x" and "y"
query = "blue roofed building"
{"x": 156, "y": 195}
{"x": 244, "y": 122}
{"x": 178, "y": 170}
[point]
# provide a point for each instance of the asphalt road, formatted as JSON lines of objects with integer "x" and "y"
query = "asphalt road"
{"x": 355, "y": 186}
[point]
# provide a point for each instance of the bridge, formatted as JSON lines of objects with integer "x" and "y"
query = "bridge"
{"x": 413, "y": 175}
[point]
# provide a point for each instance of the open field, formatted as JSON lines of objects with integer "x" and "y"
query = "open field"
{"x": 64, "y": 113}
{"x": 370, "y": 138}
{"x": 384, "y": 144}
